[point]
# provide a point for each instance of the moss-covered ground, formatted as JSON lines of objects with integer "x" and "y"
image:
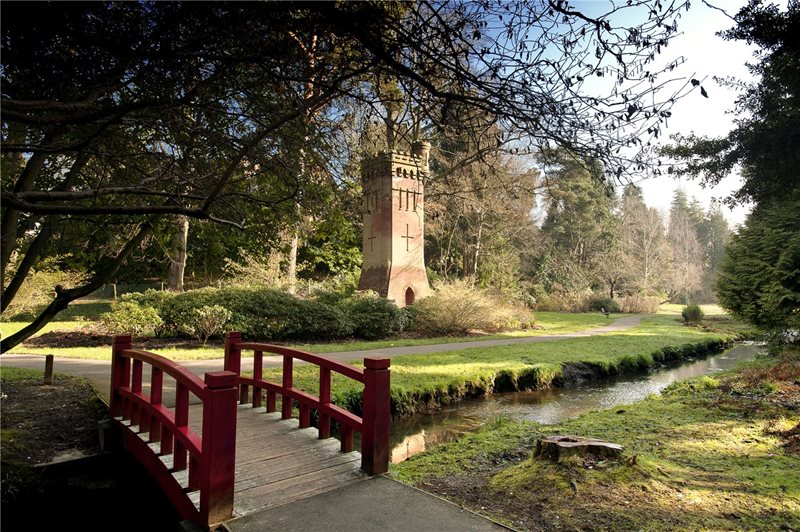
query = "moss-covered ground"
{"x": 718, "y": 454}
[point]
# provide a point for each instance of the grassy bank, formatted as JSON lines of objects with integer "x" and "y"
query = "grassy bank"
{"x": 425, "y": 382}
{"x": 547, "y": 322}
{"x": 707, "y": 454}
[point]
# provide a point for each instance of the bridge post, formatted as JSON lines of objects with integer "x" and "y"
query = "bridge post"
{"x": 219, "y": 446}
{"x": 376, "y": 417}
{"x": 233, "y": 355}
{"x": 120, "y": 372}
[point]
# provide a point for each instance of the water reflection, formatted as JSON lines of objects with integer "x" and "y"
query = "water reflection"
{"x": 419, "y": 433}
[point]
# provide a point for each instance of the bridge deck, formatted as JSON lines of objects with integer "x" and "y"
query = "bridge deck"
{"x": 276, "y": 462}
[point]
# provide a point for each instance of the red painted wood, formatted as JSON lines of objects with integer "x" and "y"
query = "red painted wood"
{"x": 171, "y": 488}
{"x": 121, "y": 343}
{"x": 286, "y": 402}
{"x": 377, "y": 416}
{"x": 244, "y": 393}
{"x": 345, "y": 369}
{"x": 211, "y": 459}
{"x": 258, "y": 374}
{"x": 347, "y": 439}
{"x": 324, "y": 421}
{"x": 271, "y": 401}
{"x": 233, "y": 352}
{"x": 305, "y": 415}
{"x": 219, "y": 447}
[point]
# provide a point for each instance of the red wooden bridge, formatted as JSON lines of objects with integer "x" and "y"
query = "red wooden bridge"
{"x": 235, "y": 449}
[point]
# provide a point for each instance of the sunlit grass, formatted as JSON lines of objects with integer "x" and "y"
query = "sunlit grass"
{"x": 704, "y": 459}
{"x": 550, "y": 323}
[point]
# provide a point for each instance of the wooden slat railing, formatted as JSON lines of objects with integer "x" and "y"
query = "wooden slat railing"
{"x": 374, "y": 424}
{"x": 210, "y": 459}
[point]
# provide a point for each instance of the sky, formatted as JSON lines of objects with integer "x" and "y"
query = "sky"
{"x": 706, "y": 55}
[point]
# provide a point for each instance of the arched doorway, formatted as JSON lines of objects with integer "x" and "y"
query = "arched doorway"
{"x": 409, "y": 296}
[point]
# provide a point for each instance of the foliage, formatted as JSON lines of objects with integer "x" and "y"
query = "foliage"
{"x": 639, "y": 304}
{"x": 458, "y": 307}
{"x": 260, "y": 313}
{"x": 759, "y": 279}
{"x": 692, "y": 314}
{"x": 130, "y": 318}
{"x": 125, "y": 115}
{"x": 562, "y": 301}
{"x": 251, "y": 270}
{"x": 40, "y": 286}
{"x": 605, "y": 304}
{"x": 765, "y": 140}
{"x": 157, "y": 299}
{"x": 208, "y": 321}
{"x": 577, "y": 230}
{"x": 373, "y": 317}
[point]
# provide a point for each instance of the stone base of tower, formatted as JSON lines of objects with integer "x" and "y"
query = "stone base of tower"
{"x": 402, "y": 284}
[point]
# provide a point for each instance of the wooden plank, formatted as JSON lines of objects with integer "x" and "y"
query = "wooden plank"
{"x": 286, "y": 471}
{"x": 284, "y": 492}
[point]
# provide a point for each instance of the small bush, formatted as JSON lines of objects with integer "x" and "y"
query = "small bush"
{"x": 604, "y": 304}
{"x": 457, "y": 307}
{"x": 130, "y": 318}
{"x": 692, "y": 314}
{"x": 209, "y": 321}
{"x": 565, "y": 302}
{"x": 639, "y": 304}
{"x": 373, "y": 317}
{"x": 149, "y": 298}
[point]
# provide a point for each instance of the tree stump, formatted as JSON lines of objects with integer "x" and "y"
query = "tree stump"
{"x": 557, "y": 447}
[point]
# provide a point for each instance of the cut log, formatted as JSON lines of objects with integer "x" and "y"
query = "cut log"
{"x": 557, "y": 447}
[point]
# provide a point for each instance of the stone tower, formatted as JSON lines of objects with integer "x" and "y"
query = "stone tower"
{"x": 394, "y": 244}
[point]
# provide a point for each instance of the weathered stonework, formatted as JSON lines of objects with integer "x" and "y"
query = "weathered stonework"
{"x": 393, "y": 240}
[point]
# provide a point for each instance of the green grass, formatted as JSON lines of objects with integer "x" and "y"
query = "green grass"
{"x": 550, "y": 323}
{"x": 8, "y": 328}
{"x": 423, "y": 381}
{"x": 708, "y": 455}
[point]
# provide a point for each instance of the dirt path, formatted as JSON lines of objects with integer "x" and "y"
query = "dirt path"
{"x": 98, "y": 372}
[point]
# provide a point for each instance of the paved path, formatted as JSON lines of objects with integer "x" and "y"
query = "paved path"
{"x": 98, "y": 372}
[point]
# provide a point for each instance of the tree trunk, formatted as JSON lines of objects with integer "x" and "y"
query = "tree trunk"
{"x": 177, "y": 255}
{"x": 291, "y": 271}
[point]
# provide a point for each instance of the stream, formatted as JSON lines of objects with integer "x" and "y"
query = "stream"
{"x": 421, "y": 432}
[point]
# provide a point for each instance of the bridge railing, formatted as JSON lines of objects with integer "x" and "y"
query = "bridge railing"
{"x": 373, "y": 425}
{"x": 153, "y": 432}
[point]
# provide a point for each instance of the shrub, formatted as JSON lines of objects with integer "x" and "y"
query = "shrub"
{"x": 373, "y": 317}
{"x": 604, "y": 304}
{"x": 149, "y": 298}
{"x": 130, "y": 318}
{"x": 259, "y": 312}
{"x": 178, "y": 311}
{"x": 639, "y": 304}
{"x": 253, "y": 270}
{"x": 565, "y": 301}
{"x": 209, "y": 321}
{"x": 457, "y": 307}
{"x": 692, "y": 314}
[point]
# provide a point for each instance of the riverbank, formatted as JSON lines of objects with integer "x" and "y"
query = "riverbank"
{"x": 426, "y": 382}
{"x": 710, "y": 453}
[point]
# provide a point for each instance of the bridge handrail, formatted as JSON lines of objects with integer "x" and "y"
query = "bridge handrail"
{"x": 211, "y": 458}
{"x": 374, "y": 424}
